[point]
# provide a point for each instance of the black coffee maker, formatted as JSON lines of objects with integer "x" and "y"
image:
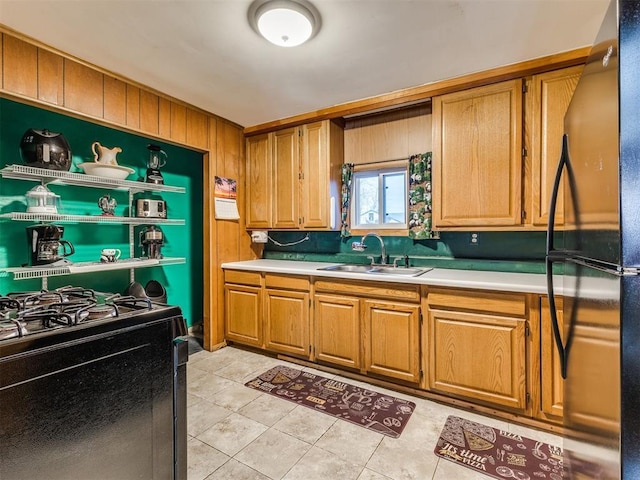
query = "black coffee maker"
{"x": 152, "y": 240}
{"x": 44, "y": 244}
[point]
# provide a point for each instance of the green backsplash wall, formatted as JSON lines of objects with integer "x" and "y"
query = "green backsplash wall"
{"x": 183, "y": 169}
{"x": 499, "y": 251}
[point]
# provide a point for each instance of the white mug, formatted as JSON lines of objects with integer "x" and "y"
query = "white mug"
{"x": 109, "y": 255}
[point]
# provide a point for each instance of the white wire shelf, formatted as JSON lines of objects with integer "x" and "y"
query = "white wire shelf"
{"x": 59, "y": 177}
{"x": 23, "y": 273}
{"x": 59, "y": 218}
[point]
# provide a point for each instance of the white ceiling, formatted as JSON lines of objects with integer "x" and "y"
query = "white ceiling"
{"x": 205, "y": 53}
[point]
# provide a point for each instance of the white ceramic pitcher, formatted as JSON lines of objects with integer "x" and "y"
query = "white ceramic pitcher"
{"x": 102, "y": 154}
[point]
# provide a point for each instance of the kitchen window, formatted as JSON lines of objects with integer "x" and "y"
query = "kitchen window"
{"x": 379, "y": 199}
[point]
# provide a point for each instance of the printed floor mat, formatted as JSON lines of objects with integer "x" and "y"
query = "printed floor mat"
{"x": 497, "y": 453}
{"x": 376, "y": 411}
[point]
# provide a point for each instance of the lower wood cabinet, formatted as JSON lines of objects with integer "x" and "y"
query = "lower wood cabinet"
{"x": 473, "y": 345}
{"x": 243, "y": 308}
{"x": 337, "y": 330}
{"x": 287, "y": 322}
{"x": 269, "y": 312}
{"x": 356, "y": 328}
{"x": 477, "y": 347}
{"x": 286, "y": 314}
{"x": 392, "y": 339}
{"x": 551, "y": 382}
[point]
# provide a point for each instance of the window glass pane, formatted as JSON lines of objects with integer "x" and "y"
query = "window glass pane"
{"x": 394, "y": 186}
{"x": 367, "y": 200}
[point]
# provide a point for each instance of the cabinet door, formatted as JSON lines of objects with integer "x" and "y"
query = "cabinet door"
{"x": 314, "y": 157}
{"x": 243, "y": 314}
{"x": 337, "y": 330}
{"x": 547, "y": 102}
{"x": 391, "y": 340}
{"x": 477, "y": 157}
{"x": 551, "y": 383}
{"x": 286, "y": 171}
{"x": 287, "y": 322}
{"x": 479, "y": 356}
{"x": 259, "y": 181}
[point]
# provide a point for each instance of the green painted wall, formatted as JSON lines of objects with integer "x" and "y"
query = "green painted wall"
{"x": 498, "y": 251}
{"x": 184, "y": 169}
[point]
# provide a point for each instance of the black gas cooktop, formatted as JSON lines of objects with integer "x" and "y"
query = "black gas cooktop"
{"x": 27, "y": 313}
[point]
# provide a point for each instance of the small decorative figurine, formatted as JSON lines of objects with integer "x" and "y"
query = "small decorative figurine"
{"x": 107, "y": 204}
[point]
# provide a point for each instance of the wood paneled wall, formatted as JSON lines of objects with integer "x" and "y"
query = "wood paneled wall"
{"x": 388, "y": 136}
{"x": 34, "y": 73}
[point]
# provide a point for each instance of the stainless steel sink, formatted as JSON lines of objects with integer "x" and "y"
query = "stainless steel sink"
{"x": 348, "y": 268}
{"x": 377, "y": 269}
{"x": 399, "y": 270}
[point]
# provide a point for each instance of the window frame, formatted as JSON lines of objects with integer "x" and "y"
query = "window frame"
{"x": 380, "y": 172}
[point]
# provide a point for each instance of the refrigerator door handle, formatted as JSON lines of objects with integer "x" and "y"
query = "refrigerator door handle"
{"x": 554, "y": 197}
{"x": 557, "y": 337}
{"x": 552, "y": 255}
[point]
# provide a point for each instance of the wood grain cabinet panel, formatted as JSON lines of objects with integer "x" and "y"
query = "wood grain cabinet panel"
{"x": 149, "y": 112}
{"x": 477, "y": 350}
{"x": 478, "y": 356}
{"x": 477, "y": 157}
{"x": 547, "y": 102}
{"x": 392, "y": 340}
{"x": 1, "y": 60}
{"x": 243, "y": 314}
{"x": 115, "y": 100}
{"x": 551, "y": 382}
{"x": 321, "y": 158}
{"x": 305, "y": 164}
{"x": 287, "y": 322}
{"x": 337, "y": 330}
{"x": 83, "y": 89}
{"x": 286, "y": 169}
{"x": 20, "y": 67}
{"x": 50, "y": 77}
{"x": 259, "y": 181}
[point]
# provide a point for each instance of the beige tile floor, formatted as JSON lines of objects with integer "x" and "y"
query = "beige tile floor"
{"x": 236, "y": 433}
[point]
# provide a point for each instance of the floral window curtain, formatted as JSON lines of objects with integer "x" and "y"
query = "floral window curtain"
{"x": 347, "y": 173}
{"x": 420, "y": 197}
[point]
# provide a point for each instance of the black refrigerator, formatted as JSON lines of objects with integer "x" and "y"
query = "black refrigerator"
{"x": 597, "y": 185}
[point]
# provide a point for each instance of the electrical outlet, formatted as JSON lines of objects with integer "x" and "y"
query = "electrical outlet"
{"x": 474, "y": 239}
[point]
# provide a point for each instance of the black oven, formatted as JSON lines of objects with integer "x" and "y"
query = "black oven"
{"x": 95, "y": 399}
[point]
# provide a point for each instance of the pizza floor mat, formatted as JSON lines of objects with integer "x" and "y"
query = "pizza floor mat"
{"x": 497, "y": 453}
{"x": 372, "y": 410}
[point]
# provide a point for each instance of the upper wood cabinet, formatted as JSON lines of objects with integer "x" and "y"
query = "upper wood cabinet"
{"x": 477, "y": 157}
{"x": 286, "y": 170}
{"x": 259, "y": 181}
{"x": 292, "y": 175}
{"x": 547, "y": 99}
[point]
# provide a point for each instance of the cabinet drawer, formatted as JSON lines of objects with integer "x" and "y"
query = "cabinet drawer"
{"x": 287, "y": 282}
{"x": 243, "y": 278}
{"x": 484, "y": 301}
{"x": 371, "y": 289}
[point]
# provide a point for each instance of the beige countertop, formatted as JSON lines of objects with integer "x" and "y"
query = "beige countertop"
{"x": 443, "y": 277}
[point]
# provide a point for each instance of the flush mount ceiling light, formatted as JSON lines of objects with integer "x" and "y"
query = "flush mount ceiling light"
{"x": 286, "y": 23}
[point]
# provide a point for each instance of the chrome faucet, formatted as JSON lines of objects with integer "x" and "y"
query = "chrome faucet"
{"x": 360, "y": 246}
